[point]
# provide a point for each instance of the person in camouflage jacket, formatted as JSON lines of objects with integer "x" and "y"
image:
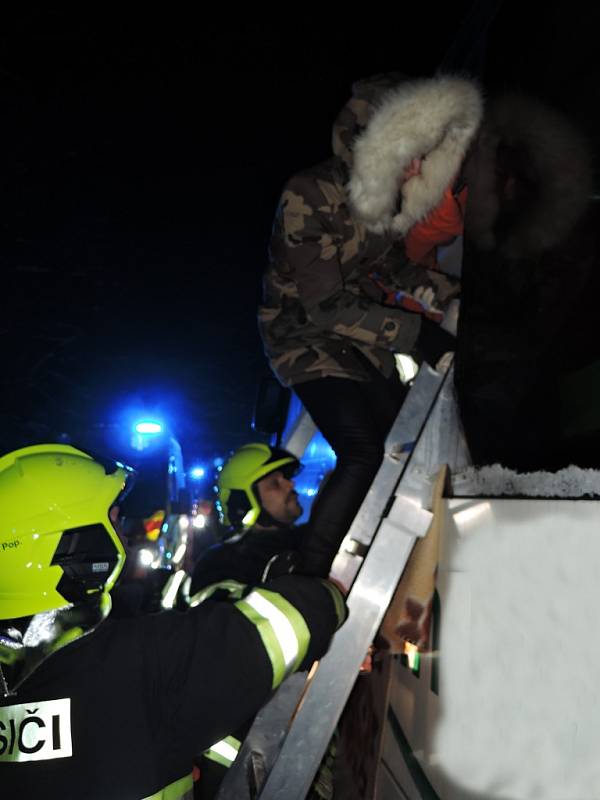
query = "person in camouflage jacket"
{"x": 341, "y": 293}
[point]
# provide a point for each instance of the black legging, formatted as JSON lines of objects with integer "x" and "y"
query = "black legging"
{"x": 355, "y": 418}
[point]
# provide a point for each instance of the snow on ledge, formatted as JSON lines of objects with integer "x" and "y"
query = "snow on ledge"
{"x": 497, "y": 481}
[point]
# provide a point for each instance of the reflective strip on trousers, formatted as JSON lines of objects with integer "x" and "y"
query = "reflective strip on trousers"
{"x": 183, "y": 789}
{"x": 282, "y": 629}
{"x": 224, "y": 752}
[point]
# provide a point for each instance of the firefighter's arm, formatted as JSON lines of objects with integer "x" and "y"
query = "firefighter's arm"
{"x": 295, "y": 617}
{"x": 216, "y": 665}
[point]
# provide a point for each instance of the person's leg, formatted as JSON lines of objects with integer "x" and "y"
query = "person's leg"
{"x": 355, "y": 418}
{"x": 385, "y": 397}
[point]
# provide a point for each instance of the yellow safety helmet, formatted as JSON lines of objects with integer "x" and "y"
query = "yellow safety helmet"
{"x": 58, "y": 545}
{"x": 237, "y": 503}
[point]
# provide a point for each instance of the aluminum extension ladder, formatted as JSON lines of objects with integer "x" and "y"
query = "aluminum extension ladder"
{"x": 291, "y": 733}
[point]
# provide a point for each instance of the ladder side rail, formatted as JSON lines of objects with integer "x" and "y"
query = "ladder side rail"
{"x": 271, "y": 723}
{"x": 371, "y": 594}
{"x": 400, "y": 448}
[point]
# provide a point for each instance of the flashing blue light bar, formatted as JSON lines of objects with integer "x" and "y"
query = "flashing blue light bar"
{"x": 197, "y": 472}
{"x": 148, "y": 427}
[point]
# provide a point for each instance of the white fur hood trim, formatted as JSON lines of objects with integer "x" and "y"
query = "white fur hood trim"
{"x": 436, "y": 117}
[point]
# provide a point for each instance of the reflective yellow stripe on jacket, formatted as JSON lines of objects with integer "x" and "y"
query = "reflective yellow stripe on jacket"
{"x": 183, "y": 789}
{"x": 282, "y": 628}
{"x": 234, "y": 588}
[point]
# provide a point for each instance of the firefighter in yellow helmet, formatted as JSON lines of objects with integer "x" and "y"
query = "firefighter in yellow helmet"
{"x": 243, "y": 494}
{"x": 258, "y": 506}
{"x": 95, "y": 707}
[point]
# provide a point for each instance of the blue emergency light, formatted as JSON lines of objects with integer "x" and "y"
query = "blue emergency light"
{"x": 148, "y": 427}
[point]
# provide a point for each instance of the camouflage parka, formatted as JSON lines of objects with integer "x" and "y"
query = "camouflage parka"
{"x": 338, "y": 233}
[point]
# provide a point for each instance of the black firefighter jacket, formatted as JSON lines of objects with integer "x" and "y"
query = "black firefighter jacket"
{"x": 120, "y": 714}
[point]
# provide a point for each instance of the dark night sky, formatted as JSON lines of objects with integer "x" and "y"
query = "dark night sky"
{"x": 143, "y": 157}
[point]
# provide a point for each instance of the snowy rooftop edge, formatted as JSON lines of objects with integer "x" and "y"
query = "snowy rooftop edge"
{"x": 498, "y": 481}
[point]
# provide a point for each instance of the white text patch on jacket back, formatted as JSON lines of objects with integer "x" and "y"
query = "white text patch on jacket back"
{"x": 36, "y": 731}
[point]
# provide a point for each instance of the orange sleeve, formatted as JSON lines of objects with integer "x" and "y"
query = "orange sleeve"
{"x": 440, "y": 226}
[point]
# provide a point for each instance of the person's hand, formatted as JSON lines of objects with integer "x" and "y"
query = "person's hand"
{"x": 425, "y": 295}
{"x": 367, "y": 665}
{"x": 445, "y": 362}
{"x": 338, "y": 584}
{"x": 450, "y": 321}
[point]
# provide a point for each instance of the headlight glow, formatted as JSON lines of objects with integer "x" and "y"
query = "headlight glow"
{"x": 146, "y": 557}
